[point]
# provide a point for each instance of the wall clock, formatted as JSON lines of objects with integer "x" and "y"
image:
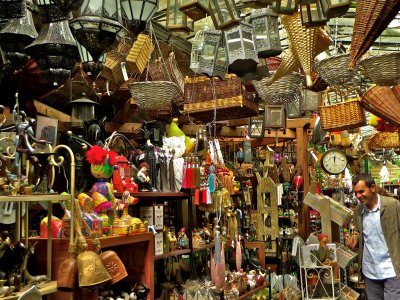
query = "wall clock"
{"x": 334, "y": 161}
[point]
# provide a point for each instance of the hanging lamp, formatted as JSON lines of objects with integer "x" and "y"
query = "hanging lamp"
{"x": 10, "y": 9}
{"x": 224, "y": 13}
{"x": 138, "y": 12}
{"x": 177, "y": 21}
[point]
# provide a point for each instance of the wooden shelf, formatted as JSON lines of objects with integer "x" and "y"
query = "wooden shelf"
{"x": 35, "y": 198}
{"x": 45, "y": 289}
{"x": 113, "y": 241}
{"x": 171, "y": 254}
{"x": 207, "y": 246}
{"x": 152, "y": 195}
{"x": 253, "y": 291}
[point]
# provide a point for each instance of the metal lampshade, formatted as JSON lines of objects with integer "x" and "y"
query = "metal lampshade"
{"x": 224, "y": 13}
{"x": 52, "y": 11}
{"x": 257, "y": 3}
{"x": 176, "y": 19}
{"x": 242, "y": 54}
{"x": 312, "y": 14}
{"x": 98, "y": 26}
{"x": 285, "y": 7}
{"x": 266, "y": 29}
{"x": 208, "y": 53}
{"x": 10, "y": 9}
{"x": 195, "y": 9}
{"x": 15, "y": 36}
{"x": 335, "y": 8}
{"x": 82, "y": 109}
{"x": 138, "y": 12}
{"x": 55, "y": 51}
{"x": 90, "y": 67}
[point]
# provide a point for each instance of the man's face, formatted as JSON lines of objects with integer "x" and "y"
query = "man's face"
{"x": 364, "y": 194}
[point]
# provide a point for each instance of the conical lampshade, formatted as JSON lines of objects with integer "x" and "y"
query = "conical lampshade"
{"x": 303, "y": 41}
{"x": 15, "y": 36}
{"x": 55, "y": 51}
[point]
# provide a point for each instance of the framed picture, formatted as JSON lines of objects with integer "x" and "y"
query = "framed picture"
{"x": 46, "y": 129}
{"x": 275, "y": 116}
{"x": 256, "y": 127}
{"x": 310, "y": 100}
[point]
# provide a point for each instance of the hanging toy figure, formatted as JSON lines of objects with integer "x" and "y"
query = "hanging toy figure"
{"x": 102, "y": 162}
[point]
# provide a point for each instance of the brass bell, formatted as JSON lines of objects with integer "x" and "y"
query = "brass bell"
{"x": 91, "y": 271}
{"x": 114, "y": 266}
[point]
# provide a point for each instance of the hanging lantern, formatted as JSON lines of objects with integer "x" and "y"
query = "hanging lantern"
{"x": 138, "y": 13}
{"x": 177, "y": 20}
{"x": 195, "y": 9}
{"x": 10, "y": 9}
{"x": 55, "y": 51}
{"x": 16, "y": 35}
{"x": 52, "y": 11}
{"x": 99, "y": 26}
{"x": 257, "y": 3}
{"x": 242, "y": 54}
{"x": 224, "y": 13}
{"x": 82, "y": 109}
{"x": 266, "y": 29}
{"x": 335, "y": 8}
{"x": 208, "y": 53}
{"x": 285, "y": 7}
{"x": 90, "y": 67}
{"x": 312, "y": 14}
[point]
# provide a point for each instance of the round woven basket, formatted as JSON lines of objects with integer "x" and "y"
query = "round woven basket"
{"x": 335, "y": 70}
{"x": 384, "y": 102}
{"x": 153, "y": 95}
{"x": 382, "y": 69}
{"x": 284, "y": 90}
{"x": 372, "y": 17}
{"x": 384, "y": 140}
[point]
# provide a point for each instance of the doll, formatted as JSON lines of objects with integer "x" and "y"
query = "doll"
{"x": 174, "y": 148}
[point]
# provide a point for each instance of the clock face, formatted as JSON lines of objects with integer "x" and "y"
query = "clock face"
{"x": 334, "y": 161}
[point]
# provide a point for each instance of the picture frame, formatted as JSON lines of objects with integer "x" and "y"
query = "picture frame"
{"x": 310, "y": 100}
{"x": 46, "y": 129}
{"x": 256, "y": 127}
{"x": 275, "y": 117}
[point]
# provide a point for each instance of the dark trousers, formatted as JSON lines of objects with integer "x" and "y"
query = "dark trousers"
{"x": 386, "y": 289}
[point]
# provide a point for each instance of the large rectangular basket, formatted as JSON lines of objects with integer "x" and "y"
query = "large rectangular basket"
{"x": 139, "y": 54}
{"x": 227, "y": 98}
{"x": 341, "y": 115}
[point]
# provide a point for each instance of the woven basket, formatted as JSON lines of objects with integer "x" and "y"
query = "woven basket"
{"x": 341, "y": 115}
{"x": 227, "y": 98}
{"x": 384, "y": 140}
{"x": 153, "y": 95}
{"x": 303, "y": 41}
{"x": 384, "y": 102}
{"x": 273, "y": 63}
{"x": 383, "y": 69}
{"x": 139, "y": 54}
{"x": 335, "y": 70}
{"x": 112, "y": 67}
{"x": 372, "y": 17}
{"x": 284, "y": 90}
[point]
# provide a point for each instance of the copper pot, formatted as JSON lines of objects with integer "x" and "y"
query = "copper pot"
{"x": 67, "y": 275}
{"x": 114, "y": 266}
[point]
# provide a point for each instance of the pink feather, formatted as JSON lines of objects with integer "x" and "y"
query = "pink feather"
{"x": 238, "y": 255}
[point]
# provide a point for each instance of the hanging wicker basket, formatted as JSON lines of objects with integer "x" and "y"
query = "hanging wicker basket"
{"x": 384, "y": 102}
{"x": 284, "y": 90}
{"x": 384, "y": 140}
{"x": 382, "y": 69}
{"x": 372, "y": 17}
{"x": 303, "y": 41}
{"x": 139, "y": 54}
{"x": 152, "y": 95}
{"x": 335, "y": 71}
{"x": 227, "y": 99}
{"x": 340, "y": 114}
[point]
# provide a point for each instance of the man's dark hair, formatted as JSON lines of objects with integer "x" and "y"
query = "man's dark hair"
{"x": 369, "y": 181}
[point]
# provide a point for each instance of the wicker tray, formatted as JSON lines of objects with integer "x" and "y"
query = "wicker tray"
{"x": 384, "y": 102}
{"x": 384, "y": 140}
{"x": 227, "y": 98}
{"x": 341, "y": 115}
{"x": 284, "y": 90}
{"x": 383, "y": 69}
{"x": 335, "y": 70}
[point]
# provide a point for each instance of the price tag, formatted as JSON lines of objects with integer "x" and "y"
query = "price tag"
{"x": 295, "y": 245}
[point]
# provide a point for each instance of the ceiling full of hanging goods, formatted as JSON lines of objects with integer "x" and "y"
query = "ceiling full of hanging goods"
{"x": 113, "y": 50}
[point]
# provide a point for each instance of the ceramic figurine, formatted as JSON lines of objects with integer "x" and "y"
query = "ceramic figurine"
{"x": 174, "y": 148}
{"x": 183, "y": 240}
{"x": 171, "y": 238}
